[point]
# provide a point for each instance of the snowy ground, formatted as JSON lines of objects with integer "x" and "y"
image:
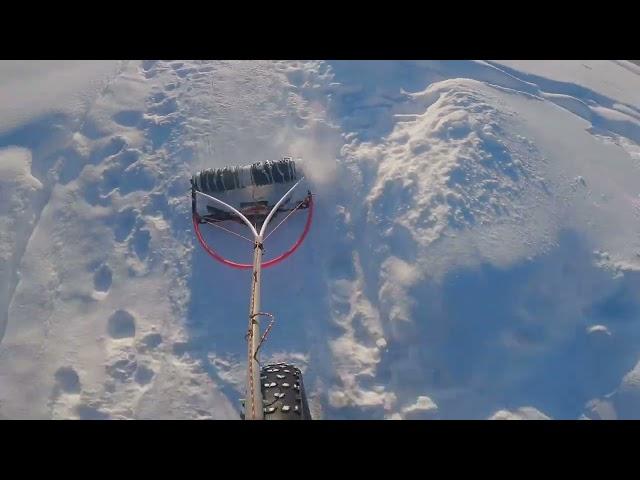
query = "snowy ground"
{"x": 476, "y": 250}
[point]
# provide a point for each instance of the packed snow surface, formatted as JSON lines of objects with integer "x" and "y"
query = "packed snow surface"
{"x": 475, "y": 251}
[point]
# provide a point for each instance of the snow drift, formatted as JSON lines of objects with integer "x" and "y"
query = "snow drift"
{"x": 476, "y": 252}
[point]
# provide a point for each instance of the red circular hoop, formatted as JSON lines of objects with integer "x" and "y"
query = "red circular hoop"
{"x": 244, "y": 266}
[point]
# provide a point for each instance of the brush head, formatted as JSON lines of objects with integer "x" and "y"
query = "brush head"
{"x": 218, "y": 180}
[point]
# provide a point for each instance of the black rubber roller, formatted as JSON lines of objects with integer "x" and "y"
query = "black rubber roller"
{"x": 283, "y": 393}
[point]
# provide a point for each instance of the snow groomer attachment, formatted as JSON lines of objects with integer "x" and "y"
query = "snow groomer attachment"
{"x": 257, "y": 196}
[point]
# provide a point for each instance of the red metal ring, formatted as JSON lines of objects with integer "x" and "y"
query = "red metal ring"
{"x": 244, "y": 266}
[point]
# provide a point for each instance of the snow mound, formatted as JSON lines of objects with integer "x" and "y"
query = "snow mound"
{"x": 476, "y": 243}
{"x": 522, "y": 413}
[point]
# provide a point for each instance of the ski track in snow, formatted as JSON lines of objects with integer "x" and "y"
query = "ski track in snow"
{"x": 475, "y": 253}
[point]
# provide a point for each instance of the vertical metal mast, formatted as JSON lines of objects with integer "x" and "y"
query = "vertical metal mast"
{"x": 253, "y": 400}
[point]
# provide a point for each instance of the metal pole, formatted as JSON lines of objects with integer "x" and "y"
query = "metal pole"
{"x": 253, "y": 402}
